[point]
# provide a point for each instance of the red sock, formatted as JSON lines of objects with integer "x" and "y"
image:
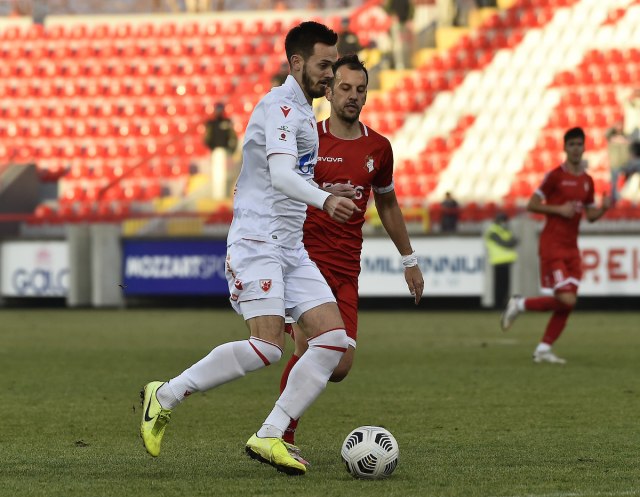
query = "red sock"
{"x": 544, "y": 304}
{"x": 290, "y": 432}
{"x": 555, "y": 326}
{"x": 287, "y": 370}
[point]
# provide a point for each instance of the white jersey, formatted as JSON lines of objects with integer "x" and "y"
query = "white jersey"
{"x": 283, "y": 122}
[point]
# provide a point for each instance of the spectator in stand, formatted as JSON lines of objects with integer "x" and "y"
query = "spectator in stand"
{"x": 618, "y": 151}
{"x": 221, "y": 139}
{"x": 631, "y": 108}
{"x": 446, "y": 12}
{"x": 450, "y": 213}
{"x": 628, "y": 169}
{"x": 348, "y": 42}
{"x": 401, "y": 12}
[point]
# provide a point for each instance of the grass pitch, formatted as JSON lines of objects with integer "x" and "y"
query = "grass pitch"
{"x": 472, "y": 414}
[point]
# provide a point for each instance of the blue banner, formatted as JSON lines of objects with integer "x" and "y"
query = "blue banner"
{"x": 174, "y": 267}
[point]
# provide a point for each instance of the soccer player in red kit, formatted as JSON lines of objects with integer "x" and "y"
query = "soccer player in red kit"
{"x": 564, "y": 194}
{"x": 353, "y": 160}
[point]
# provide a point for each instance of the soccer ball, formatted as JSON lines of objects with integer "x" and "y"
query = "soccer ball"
{"x": 370, "y": 452}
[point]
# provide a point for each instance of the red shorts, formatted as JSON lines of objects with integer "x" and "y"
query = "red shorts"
{"x": 560, "y": 275}
{"x": 345, "y": 290}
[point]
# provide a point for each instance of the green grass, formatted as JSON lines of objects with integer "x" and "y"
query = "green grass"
{"x": 472, "y": 414}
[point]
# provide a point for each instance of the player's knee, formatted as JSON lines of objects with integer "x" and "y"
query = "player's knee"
{"x": 267, "y": 351}
{"x": 568, "y": 299}
{"x": 344, "y": 366}
{"x": 340, "y": 373}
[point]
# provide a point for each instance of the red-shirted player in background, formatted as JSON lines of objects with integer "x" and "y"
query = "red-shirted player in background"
{"x": 352, "y": 160}
{"x": 564, "y": 194}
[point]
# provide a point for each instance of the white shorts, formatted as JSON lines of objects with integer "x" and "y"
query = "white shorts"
{"x": 269, "y": 280}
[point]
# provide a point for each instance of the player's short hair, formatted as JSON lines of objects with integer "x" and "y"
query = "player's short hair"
{"x": 301, "y": 39}
{"x": 352, "y": 62}
{"x": 574, "y": 133}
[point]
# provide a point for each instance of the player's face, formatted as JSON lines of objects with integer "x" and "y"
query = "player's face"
{"x": 317, "y": 71}
{"x": 574, "y": 149}
{"x": 349, "y": 93}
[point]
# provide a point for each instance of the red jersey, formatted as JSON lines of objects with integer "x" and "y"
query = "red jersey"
{"x": 365, "y": 163}
{"x": 559, "y": 237}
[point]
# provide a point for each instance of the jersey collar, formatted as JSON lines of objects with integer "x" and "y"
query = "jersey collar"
{"x": 291, "y": 82}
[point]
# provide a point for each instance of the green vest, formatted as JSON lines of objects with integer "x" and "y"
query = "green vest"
{"x": 497, "y": 253}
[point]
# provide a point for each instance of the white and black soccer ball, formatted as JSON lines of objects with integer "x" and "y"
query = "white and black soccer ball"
{"x": 370, "y": 452}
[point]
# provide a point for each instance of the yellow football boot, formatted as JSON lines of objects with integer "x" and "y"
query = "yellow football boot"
{"x": 273, "y": 451}
{"x": 154, "y": 418}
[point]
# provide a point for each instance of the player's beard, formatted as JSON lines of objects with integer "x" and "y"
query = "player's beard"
{"x": 309, "y": 87}
{"x": 348, "y": 118}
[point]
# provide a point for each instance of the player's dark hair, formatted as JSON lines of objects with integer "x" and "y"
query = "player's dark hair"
{"x": 352, "y": 62}
{"x": 574, "y": 133}
{"x": 301, "y": 39}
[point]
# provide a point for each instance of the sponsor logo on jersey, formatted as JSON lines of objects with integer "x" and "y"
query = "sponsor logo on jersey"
{"x": 329, "y": 159}
{"x": 285, "y": 110}
{"x": 265, "y": 285}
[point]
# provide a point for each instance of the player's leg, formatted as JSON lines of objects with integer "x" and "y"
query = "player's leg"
{"x": 247, "y": 275}
{"x": 346, "y": 292}
{"x": 310, "y": 302}
{"x": 568, "y": 275}
{"x": 553, "y": 276}
{"x": 301, "y": 346}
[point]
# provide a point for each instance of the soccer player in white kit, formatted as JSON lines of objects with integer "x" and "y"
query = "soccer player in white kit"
{"x": 268, "y": 270}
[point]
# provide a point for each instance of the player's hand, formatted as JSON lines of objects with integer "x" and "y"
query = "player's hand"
{"x": 607, "y": 202}
{"x": 341, "y": 190}
{"x": 568, "y": 210}
{"x": 339, "y": 208}
{"x": 415, "y": 282}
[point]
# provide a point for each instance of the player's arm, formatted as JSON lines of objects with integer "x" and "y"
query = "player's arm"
{"x": 393, "y": 222}
{"x": 285, "y": 179}
{"x": 536, "y": 204}
{"x": 594, "y": 213}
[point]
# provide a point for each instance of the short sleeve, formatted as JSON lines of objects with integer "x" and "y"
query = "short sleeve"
{"x": 383, "y": 181}
{"x": 548, "y": 185}
{"x": 281, "y": 129}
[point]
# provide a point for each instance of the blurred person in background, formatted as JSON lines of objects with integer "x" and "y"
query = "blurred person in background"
{"x": 501, "y": 243}
{"x": 632, "y": 166}
{"x": 565, "y": 193}
{"x": 267, "y": 268}
{"x": 348, "y": 42}
{"x": 445, "y": 12}
{"x": 401, "y": 12}
{"x": 631, "y": 109}
{"x": 353, "y": 161}
{"x": 220, "y": 137}
{"x": 618, "y": 148}
{"x": 450, "y": 213}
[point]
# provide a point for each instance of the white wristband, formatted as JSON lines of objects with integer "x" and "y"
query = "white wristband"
{"x": 410, "y": 260}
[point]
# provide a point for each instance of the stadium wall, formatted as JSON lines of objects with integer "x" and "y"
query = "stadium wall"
{"x": 95, "y": 266}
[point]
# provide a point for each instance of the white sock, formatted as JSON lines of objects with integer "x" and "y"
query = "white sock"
{"x": 543, "y": 347}
{"x": 225, "y": 363}
{"x": 520, "y": 304}
{"x": 307, "y": 380}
